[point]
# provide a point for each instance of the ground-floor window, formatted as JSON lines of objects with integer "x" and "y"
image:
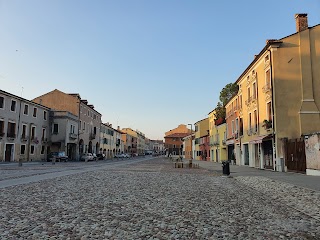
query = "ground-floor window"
{"x": 32, "y": 149}
{"x": 22, "y": 149}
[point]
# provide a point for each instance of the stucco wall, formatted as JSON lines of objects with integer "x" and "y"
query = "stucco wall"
{"x": 313, "y": 152}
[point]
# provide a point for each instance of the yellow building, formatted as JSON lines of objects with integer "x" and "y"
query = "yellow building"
{"x": 201, "y": 144}
{"x": 280, "y": 97}
{"x": 217, "y": 133}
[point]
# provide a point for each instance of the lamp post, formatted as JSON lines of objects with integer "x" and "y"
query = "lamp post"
{"x": 190, "y": 161}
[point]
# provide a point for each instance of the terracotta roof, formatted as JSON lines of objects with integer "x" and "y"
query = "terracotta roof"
{"x": 177, "y": 135}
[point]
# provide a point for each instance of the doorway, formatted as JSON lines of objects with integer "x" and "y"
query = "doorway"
{"x": 9, "y": 152}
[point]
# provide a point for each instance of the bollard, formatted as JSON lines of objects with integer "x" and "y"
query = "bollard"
{"x": 226, "y": 168}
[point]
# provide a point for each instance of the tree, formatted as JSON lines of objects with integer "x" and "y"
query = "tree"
{"x": 220, "y": 111}
{"x": 228, "y": 92}
{"x": 225, "y": 95}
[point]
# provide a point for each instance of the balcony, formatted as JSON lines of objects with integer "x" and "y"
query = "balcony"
{"x": 266, "y": 88}
{"x": 248, "y": 101}
{"x": 73, "y": 135}
{"x": 24, "y": 138}
{"x": 34, "y": 139}
{"x": 92, "y": 136}
{"x": 11, "y": 136}
{"x": 249, "y": 132}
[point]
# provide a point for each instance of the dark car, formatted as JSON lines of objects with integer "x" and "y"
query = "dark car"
{"x": 57, "y": 156}
{"x": 100, "y": 156}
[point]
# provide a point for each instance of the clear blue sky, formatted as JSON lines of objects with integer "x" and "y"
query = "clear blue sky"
{"x": 145, "y": 64}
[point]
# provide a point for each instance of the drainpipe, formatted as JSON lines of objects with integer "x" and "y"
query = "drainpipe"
{"x": 272, "y": 108}
{"x": 19, "y": 118}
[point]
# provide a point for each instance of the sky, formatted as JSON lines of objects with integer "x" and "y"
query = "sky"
{"x": 145, "y": 64}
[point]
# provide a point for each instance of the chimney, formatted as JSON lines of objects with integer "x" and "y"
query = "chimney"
{"x": 301, "y": 21}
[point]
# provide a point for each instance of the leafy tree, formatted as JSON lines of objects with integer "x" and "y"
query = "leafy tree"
{"x": 228, "y": 92}
{"x": 220, "y": 111}
{"x": 225, "y": 95}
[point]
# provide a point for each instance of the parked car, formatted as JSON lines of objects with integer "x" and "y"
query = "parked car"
{"x": 57, "y": 157}
{"x": 100, "y": 156}
{"x": 87, "y": 157}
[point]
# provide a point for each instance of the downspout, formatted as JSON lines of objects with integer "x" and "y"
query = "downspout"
{"x": 272, "y": 108}
{"x": 19, "y": 118}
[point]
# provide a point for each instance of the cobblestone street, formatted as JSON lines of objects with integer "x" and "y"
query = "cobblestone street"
{"x": 152, "y": 200}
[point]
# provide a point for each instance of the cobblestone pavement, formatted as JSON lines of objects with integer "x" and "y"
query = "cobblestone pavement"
{"x": 152, "y": 200}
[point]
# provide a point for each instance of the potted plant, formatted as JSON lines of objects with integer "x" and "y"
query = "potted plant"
{"x": 267, "y": 124}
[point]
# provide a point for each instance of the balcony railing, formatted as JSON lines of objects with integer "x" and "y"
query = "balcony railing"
{"x": 24, "y": 138}
{"x": 248, "y": 101}
{"x": 11, "y": 135}
{"x": 73, "y": 135}
{"x": 266, "y": 88}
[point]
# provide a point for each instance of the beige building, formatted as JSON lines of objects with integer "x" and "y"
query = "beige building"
{"x": 279, "y": 95}
{"x": 24, "y": 129}
{"x": 89, "y": 119}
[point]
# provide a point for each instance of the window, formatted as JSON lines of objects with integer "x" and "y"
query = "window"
{"x": 26, "y": 109}
{"x": 94, "y": 116}
{"x": 32, "y": 149}
{"x": 237, "y": 125}
{"x": 269, "y": 111}
{"x": 35, "y": 112}
{"x": 42, "y": 149}
{"x": 33, "y": 132}
{"x": 13, "y": 105}
{"x": 43, "y": 137}
{"x": 94, "y": 130}
{"x": 80, "y": 125}
{"x": 1, "y": 102}
{"x": 1, "y": 128}
{"x": 268, "y": 78}
{"x": 44, "y": 115}
{"x": 11, "y": 129}
{"x": 72, "y": 128}
{"x": 22, "y": 149}
{"x": 249, "y": 93}
{"x": 88, "y": 113}
{"x": 24, "y": 131}
{"x": 55, "y": 128}
{"x": 240, "y": 101}
{"x": 249, "y": 121}
{"x": 254, "y": 91}
{"x": 84, "y": 126}
{"x": 232, "y": 126}
{"x": 255, "y": 120}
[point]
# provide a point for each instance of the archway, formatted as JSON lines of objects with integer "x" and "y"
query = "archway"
{"x": 90, "y": 147}
{"x": 81, "y": 146}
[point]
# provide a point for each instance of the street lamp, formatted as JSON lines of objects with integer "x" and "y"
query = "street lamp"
{"x": 190, "y": 161}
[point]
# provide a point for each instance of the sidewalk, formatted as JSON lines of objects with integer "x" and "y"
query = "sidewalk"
{"x": 298, "y": 179}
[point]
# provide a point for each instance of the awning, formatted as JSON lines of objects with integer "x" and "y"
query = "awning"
{"x": 229, "y": 142}
{"x": 260, "y": 138}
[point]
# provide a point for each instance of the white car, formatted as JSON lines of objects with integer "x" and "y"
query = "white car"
{"x": 86, "y": 157}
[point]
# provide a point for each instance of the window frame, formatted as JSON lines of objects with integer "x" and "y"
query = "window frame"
{"x": 15, "y": 105}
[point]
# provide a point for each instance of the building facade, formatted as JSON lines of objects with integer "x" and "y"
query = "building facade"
{"x": 64, "y": 133}
{"x": 24, "y": 129}
{"x": 89, "y": 120}
{"x": 201, "y": 134}
{"x": 280, "y": 99}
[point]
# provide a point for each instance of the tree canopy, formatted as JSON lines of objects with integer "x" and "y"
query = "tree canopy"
{"x": 225, "y": 95}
